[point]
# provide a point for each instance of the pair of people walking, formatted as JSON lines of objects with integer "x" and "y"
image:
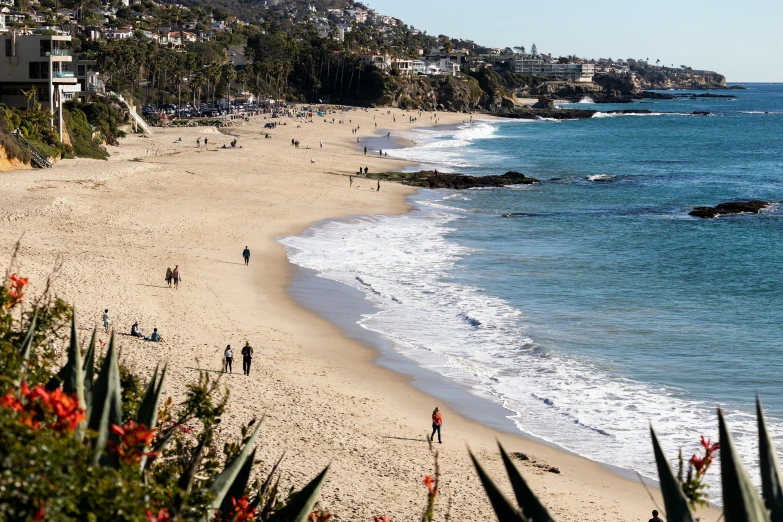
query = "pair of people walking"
{"x": 173, "y": 276}
{"x": 247, "y": 358}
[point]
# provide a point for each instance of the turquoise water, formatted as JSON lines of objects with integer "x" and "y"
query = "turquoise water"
{"x": 603, "y": 306}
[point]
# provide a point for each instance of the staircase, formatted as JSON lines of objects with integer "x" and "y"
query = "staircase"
{"x": 37, "y": 157}
{"x": 132, "y": 111}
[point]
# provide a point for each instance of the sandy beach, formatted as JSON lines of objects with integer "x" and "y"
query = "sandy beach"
{"x": 160, "y": 202}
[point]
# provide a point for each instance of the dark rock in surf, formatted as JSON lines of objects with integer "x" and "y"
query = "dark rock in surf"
{"x": 429, "y": 179}
{"x": 701, "y": 113}
{"x": 729, "y": 208}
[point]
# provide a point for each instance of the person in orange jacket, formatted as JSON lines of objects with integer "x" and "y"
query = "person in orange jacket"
{"x": 437, "y": 422}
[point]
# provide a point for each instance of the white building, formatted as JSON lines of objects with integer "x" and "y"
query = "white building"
{"x": 572, "y": 72}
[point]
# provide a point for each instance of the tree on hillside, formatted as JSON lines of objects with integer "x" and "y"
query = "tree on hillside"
{"x": 520, "y": 49}
{"x": 534, "y": 50}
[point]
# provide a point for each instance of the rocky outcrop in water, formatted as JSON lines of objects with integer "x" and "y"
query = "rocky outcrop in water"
{"x": 527, "y": 113}
{"x": 429, "y": 179}
{"x": 732, "y": 207}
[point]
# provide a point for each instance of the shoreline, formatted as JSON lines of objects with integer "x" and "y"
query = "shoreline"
{"x": 158, "y": 201}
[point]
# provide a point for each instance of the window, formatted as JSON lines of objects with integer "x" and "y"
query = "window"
{"x": 43, "y": 94}
{"x": 46, "y": 47}
{"x": 82, "y": 70}
{"x": 9, "y": 51}
{"x": 39, "y": 70}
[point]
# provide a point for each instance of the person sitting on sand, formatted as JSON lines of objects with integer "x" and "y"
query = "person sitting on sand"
{"x": 655, "y": 517}
{"x": 155, "y": 337}
{"x": 136, "y": 331}
{"x": 437, "y": 422}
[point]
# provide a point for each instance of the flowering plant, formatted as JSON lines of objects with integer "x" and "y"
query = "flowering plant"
{"x": 38, "y": 407}
{"x": 133, "y": 443}
{"x": 693, "y": 484}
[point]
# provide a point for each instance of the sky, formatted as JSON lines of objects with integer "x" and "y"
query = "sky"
{"x": 741, "y": 40}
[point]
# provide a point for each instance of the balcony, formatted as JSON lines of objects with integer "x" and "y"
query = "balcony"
{"x": 61, "y": 52}
{"x": 64, "y": 74}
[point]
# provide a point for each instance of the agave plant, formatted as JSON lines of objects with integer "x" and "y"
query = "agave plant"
{"x": 113, "y": 444}
{"x": 741, "y": 499}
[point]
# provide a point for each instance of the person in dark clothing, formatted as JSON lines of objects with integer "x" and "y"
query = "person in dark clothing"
{"x": 437, "y": 422}
{"x": 246, "y": 255}
{"x": 366, "y": 169}
{"x": 379, "y": 186}
{"x": 365, "y": 151}
{"x": 655, "y": 517}
{"x": 247, "y": 358}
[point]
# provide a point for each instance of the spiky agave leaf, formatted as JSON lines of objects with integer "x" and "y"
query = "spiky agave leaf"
{"x": 302, "y": 504}
{"x": 237, "y": 489}
{"x": 185, "y": 481}
{"x": 528, "y": 502}
{"x": 771, "y": 488}
{"x": 741, "y": 501}
{"x": 502, "y": 507}
{"x": 88, "y": 372}
{"x": 147, "y": 413}
{"x": 223, "y": 482}
{"x": 264, "y": 489}
{"x": 26, "y": 348}
{"x": 106, "y": 407}
{"x": 674, "y": 499}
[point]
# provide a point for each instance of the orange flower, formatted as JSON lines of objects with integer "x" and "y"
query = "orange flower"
{"x": 15, "y": 290}
{"x": 36, "y": 406}
{"x": 243, "y": 511}
{"x": 134, "y": 440}
{"x": 430, "y": 483}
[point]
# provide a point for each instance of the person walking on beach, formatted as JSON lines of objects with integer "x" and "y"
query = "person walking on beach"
{"x": 350, "y": 181}
{"x": 655, "y": 517}
{"x": 247, "y": 358}
{"x": 365, "y": 150}
{"x": 228, "y": 354}
{"x": 379, "y": 186}
{"x": 366, "y": 169}
{"x": 206, "y": 143}
{"x": 198, "y": 142}
{"x": 246, "y": 255}
{"x": 169, "y": 276}
{"x": 106, "y": 320}
{"x": 437, "y": 422}
{"x": 176, "y": 276}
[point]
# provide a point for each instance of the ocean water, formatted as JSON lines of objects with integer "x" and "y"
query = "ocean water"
{"x": 602, "y": 307}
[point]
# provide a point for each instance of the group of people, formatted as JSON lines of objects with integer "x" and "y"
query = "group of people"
{"x": 173, "y": 277}
{"x": 135, "y": 329}
{"x": 154, "y": 337}
{"x": 247, "y": 358}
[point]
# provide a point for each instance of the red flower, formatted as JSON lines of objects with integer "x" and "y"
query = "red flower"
{"x": 163, "y": 515}
{"x": 383, "y": 519}
{"x": 430, "y": 483}
{"x": 36, "y": 406}
{"x": 134, "y": 440}
{"x": 243, "y": 511}
{"x": 39, "y": 515}
{"x": 705, "y": 442}
{"x": 697, "y": 462}
{"x": 15, "y": 290}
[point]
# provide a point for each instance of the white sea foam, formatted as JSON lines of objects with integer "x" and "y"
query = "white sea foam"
{"x": 443, "y": 148}
{"x": 404, "y": 266}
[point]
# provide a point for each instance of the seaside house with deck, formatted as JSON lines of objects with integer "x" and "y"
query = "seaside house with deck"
{"x": 572, "y": 72}
{"x": 40, "y": 61}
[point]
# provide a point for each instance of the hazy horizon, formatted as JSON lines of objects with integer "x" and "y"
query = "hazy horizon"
{"x": 740, "y": 42}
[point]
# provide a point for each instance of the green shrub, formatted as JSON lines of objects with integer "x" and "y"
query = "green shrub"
{"x": 84, "y": 145}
